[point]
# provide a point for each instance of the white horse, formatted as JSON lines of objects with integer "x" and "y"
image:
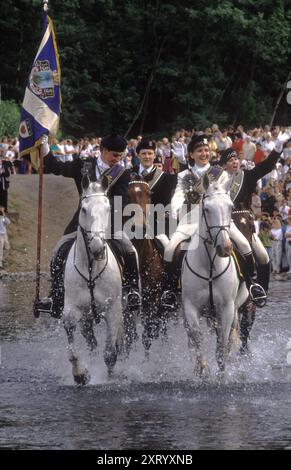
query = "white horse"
{"x": 92, "y": 282}
{"x": 210, "y": 283}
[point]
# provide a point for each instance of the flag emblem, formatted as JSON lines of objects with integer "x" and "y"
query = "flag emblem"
{"x": 25, "y": 129}
{"x": 43, "y": 79}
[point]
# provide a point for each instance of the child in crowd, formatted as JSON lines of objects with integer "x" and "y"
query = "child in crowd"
{"x": 4, "y": 243}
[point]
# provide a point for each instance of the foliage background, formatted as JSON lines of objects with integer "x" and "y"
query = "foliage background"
{"x": 144, "y": 66}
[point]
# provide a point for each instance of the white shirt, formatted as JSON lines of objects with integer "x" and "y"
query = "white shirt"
{"x": 142, "y": 168}
{"x": 277, "y": 234}
{"x": 101, "y": 166}
{"x": 200, "y": 170}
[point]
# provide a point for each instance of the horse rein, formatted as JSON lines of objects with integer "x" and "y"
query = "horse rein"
{"x": 221, "y": 228}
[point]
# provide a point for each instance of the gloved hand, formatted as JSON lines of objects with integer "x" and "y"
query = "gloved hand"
{"x": 44, "y": 148}
{"x": 179, "y": 151}
{"x": 281, "y": 140}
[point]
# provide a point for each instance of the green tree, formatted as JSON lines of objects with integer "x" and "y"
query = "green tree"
{"x": 9, "y": 118}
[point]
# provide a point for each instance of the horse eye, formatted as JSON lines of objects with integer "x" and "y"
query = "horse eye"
{"x": 83, "y": 210}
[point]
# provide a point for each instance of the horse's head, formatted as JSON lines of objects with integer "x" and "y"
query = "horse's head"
{"x": 139, "y": 193}
{"x": 94, "y": 217}
{"x": 216, "y": 212}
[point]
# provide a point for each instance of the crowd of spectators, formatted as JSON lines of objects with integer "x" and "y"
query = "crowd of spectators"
{"x": 271, "y": 203}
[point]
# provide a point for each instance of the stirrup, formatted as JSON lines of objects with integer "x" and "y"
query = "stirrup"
{"x": 133, "y": 299}
{"x": 44, "y": 305}
{"x": 169, "y": 300}
{"x": 258, "y": 295}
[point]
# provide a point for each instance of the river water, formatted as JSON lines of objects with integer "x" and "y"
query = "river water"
{"x": 149, "y": 404}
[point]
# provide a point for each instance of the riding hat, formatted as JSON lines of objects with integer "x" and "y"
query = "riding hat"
{"x": 226, "y": 155}
{"x": 146, "y": 145}
{"x": 113, "y": 143}
{"x": 197, "y": 141}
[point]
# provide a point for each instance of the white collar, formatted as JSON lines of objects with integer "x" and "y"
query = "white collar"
{"x": 142, "y": 168}
{"x": 102, "y": 164}
{"x": 200, "y": 170}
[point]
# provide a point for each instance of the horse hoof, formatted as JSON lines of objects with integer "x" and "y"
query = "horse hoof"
{"x": 82, "y": 379}
{"x": 201, "y": 369}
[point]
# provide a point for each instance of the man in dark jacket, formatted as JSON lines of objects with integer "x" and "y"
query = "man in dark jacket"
{"x": 162, "y": 185}
{"x": 105, "y": 167}
{"x": 244, "y": 183}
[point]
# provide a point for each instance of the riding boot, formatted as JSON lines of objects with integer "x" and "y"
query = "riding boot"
{"x": 54, "y": 304}
{"x": 263, "y": 275}
{"x": 133, "y": 298}
{"x": 257, "y": 293}
{"x": 169, "y": 298}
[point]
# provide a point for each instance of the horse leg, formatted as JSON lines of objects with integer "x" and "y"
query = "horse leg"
{"x": 114, "y": 328}
{"x": 195, "y": 338}
{"x": 248, "y": 314}
{"x": 129, "y": 322}
{"x": 150, "y": 324}
{"x": 225, "y": 322}
{"x": 80, "y": 374}
{"x": 86, "y": 325}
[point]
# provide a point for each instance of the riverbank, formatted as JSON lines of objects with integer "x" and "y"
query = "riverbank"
{"x": 60, "y": 200}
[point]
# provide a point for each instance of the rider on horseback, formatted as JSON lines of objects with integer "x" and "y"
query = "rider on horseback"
{"x": 106, "y": 166}
{"x": 198, "y": 166}
{"x": 244, "y": 183}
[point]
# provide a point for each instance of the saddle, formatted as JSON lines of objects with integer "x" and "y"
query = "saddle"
{"x": 118, "y": 251}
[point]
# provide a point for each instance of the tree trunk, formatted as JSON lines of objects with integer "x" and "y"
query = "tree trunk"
{"x": 280, "y": 98}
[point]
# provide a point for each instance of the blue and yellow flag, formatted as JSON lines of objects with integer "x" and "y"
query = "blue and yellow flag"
{"x": 42, "y": 100}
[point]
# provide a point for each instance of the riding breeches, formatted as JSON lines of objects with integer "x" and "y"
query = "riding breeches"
{"x": 259, "y": 250}
{"x": 239, "y": 239}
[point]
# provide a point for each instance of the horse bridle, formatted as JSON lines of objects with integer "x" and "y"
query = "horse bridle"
{"x": 213, "y": 242}
{"x": 221, "y": 228}
{"x": 93, "y": 233}
{"x": 146, "y": 184}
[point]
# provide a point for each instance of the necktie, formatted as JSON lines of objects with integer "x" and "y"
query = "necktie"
{"x": 144, "y": 173}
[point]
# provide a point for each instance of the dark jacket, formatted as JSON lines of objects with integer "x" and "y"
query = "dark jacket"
{"x": 249, "y": 179}
{"x": 118, "y": 183}
{"x": 162, "y": 187}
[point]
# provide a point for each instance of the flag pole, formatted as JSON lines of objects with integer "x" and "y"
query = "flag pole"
{"x": 39, "y": 218}
{"x": 39, "y": 233}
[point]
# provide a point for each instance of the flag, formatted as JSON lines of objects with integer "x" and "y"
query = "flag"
{"x": 41, "y": 106}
